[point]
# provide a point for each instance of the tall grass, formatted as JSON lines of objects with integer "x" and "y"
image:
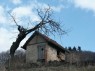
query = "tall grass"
{"x": 59, "y": 68}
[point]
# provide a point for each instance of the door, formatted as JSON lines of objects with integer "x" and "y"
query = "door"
{"x": 41, "y": 52}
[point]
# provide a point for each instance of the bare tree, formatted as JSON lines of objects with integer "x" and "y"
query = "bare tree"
{"x": 46, "y": 24}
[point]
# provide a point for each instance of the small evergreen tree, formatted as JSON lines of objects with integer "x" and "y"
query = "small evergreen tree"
{"x": 74, "y": 48}
{"x": 69, "y": 48}
{"x": 79, "y": 48}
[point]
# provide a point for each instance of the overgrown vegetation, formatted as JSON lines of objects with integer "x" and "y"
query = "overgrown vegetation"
{"x": 75, "y": 61}
{"x": 79, "y": 57}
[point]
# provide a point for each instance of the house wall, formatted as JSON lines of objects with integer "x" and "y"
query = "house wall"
{"x": 32, "y": 50}
{"x": 62, "y": 56}
{"x": 51, "y": 54}
{"x": 31, "y": 54}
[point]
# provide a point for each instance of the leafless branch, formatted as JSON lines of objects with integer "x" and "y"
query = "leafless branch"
{"x": 13, "y": 19}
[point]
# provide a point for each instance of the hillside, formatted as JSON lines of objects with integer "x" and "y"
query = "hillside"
{"x": 75, "y": 61}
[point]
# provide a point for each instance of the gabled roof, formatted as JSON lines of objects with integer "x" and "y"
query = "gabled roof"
{"x": 51, "y": 42}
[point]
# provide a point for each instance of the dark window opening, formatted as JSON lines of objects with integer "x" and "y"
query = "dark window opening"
{"x": 58, "y": 52}
{"x": 42, "y": 49}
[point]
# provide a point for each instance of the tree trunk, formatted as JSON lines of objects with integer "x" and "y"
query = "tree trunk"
{"x": 15, "y": 44}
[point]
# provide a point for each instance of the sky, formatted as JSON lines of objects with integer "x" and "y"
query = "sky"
{"x": 76, "y": 16}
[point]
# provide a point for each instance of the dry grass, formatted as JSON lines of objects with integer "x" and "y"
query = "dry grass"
{"x": 59, "y": 68}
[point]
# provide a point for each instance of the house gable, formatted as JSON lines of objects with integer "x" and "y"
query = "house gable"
{"x": 37, "y": 39}
{"x": 34, "y": 47}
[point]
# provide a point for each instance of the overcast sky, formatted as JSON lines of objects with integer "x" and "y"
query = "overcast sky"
{"x": 77, "y": 16}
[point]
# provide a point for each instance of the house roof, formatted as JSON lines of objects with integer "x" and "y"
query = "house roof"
{"x": 48, "y": 40}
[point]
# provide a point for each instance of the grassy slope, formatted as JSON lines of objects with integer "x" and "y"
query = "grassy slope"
{"x": 60, "y": 68}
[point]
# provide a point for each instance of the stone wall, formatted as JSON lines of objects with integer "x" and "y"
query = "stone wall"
{"x": 51, "y": 54}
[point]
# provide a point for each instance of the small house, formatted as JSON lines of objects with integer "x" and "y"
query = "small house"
{"x": 39, "y": 47}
